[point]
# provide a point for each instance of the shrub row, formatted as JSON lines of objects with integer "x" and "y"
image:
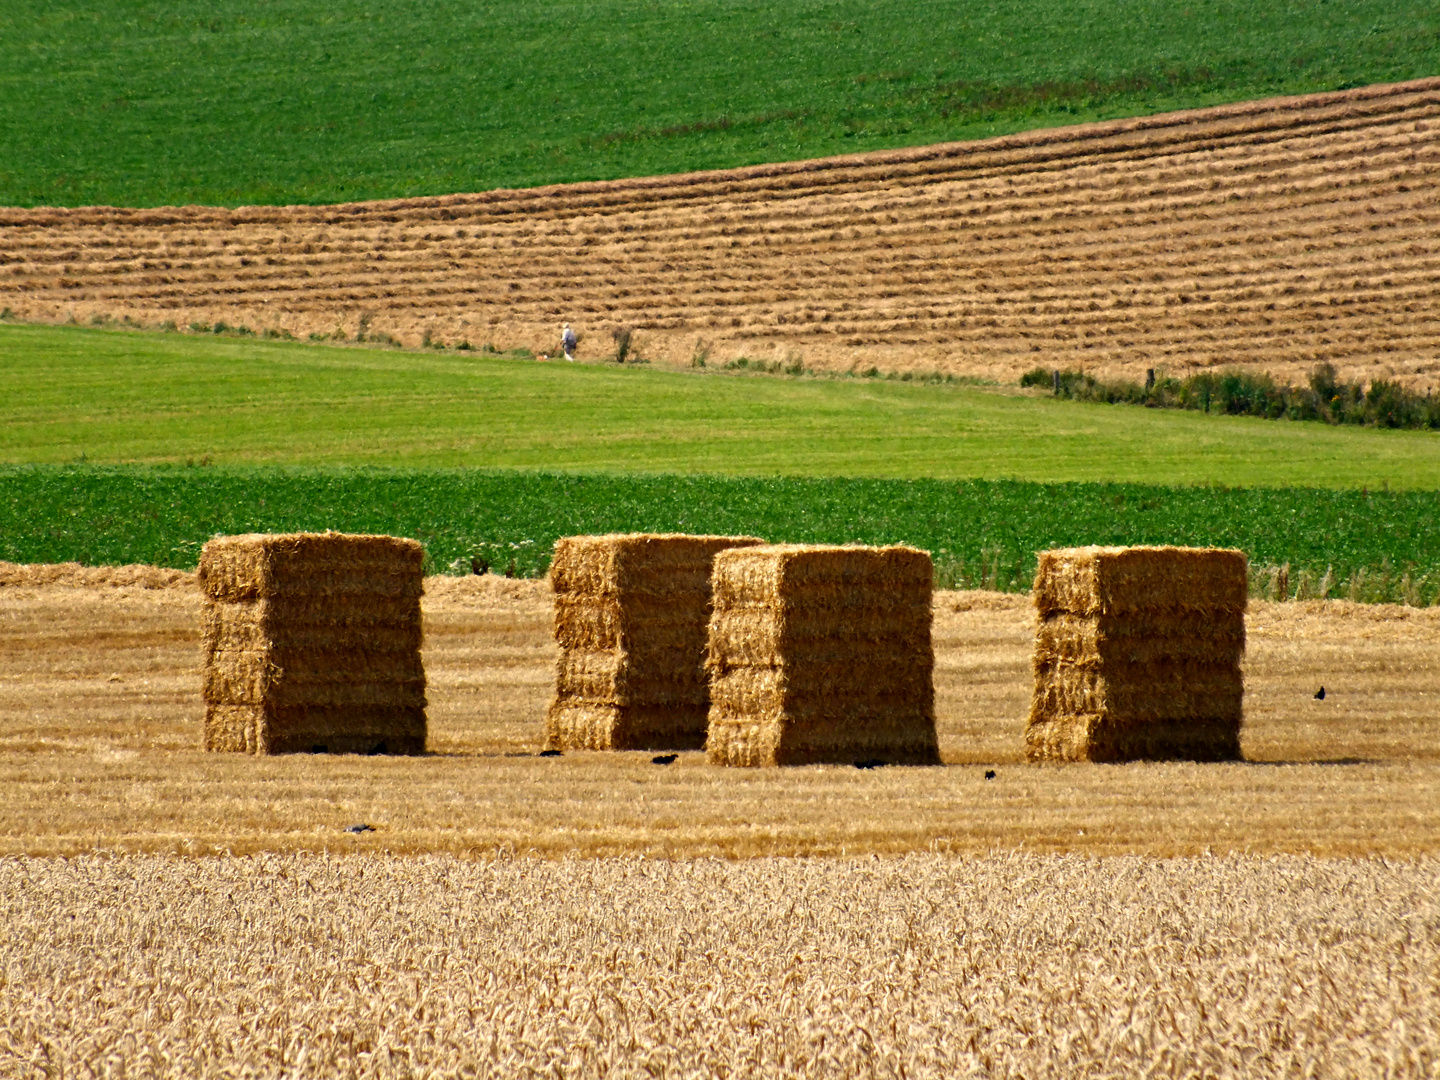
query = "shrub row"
{"x": 1383, "y": 403}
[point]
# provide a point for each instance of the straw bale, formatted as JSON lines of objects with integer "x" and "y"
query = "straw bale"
{"x": 1138, "y": 654}
{"x": 1116, "y": 580}
{"x": 312, "y": 643}
{"x": 821, "y": 654}
{"x": 630, "y": 621}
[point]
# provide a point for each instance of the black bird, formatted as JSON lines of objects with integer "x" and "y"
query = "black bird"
{"x": 1320, "y": 694}
{"x": 549, "y": 753}
{"x": 869, "y": 763}
{"x": 989, "y": 774}
{"x": 664, "y": 759}
{"x": 361, "y": 828}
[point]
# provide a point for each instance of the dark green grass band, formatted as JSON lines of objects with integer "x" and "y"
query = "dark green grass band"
{"x": 1370, "y": 546}
{"x": 231, "y": 102}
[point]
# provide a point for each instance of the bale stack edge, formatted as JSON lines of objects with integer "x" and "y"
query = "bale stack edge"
{"x": 822, "y": 654}
{"x": 631, "y": 612}
{"x": 312, "y": 644}
{"x": 1137, "y": 654}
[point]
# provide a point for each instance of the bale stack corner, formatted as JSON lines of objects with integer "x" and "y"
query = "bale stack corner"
{"x": 631, "y": 613}
{"x": 822, "y": 654}
{"x": 312, "y": 644}
{"x": 1137, "y": 654}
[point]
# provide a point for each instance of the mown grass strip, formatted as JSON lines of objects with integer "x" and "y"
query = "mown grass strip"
{"x": 1367, "y": 545}
{"x": 230, "y": 102}
{"x": 121, "y": 397}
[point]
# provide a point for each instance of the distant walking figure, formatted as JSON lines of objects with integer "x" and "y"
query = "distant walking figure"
{"x": 568, "y": 342}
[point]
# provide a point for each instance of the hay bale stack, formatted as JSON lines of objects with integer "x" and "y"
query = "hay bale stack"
{"x": 630, "y": 620}
{"x": 822, "y": 654}
{"x": 1137, "y": 654}
{"x": 312, "y": 644}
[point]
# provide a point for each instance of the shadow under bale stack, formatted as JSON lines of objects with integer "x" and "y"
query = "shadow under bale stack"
{"x": 1137, "y": 654}
{"x": 312, "y": 644}
{"x": 630, "y": 620}
{"x": 822, "y": 654}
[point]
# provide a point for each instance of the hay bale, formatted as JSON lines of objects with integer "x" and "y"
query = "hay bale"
{"x": 1137, "y": 654}
{"x": 630, "y": 620}
{"x": 312, "y": 642}
{"x": 822, "y": 654}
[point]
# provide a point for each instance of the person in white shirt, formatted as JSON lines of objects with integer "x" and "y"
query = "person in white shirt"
{"x": 568, "y": 341}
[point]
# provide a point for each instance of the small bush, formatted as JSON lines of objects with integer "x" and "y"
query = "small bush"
{"x": 622, "y": 336}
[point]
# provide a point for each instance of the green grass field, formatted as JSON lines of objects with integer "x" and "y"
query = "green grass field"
{"x": 230, "y": 102}
{"x": 112, "y": 397}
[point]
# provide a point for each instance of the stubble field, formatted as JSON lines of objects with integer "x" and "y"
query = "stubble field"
{"x": 100, "y": 728}
{"x": 1271, "y": 234}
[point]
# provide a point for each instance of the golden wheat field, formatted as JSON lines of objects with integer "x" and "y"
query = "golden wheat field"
{"x": 101, "y": 728}
{"x": 1013, "y": 965}
{"x": 1273, "y": 234}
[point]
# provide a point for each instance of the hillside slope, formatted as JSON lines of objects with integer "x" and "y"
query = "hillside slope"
{"x": 1274, "y": 234}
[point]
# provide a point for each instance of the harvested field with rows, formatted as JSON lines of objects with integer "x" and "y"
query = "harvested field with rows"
{"x": 1272, "y": 234}
{"x": 101, "y": 723}
{"x": 925, "y": 966}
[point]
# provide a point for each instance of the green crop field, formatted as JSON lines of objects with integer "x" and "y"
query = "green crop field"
{"x": 112, "y": 397}
{"x": 232, "y": 102}
{"x": 982, "y": 533}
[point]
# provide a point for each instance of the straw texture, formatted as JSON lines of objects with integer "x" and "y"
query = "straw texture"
{"x": 312, "y": 644}
{"x": 630, "y": 622}
{"x": 1137, "y": 654}
{"x": 821, "y": 654}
